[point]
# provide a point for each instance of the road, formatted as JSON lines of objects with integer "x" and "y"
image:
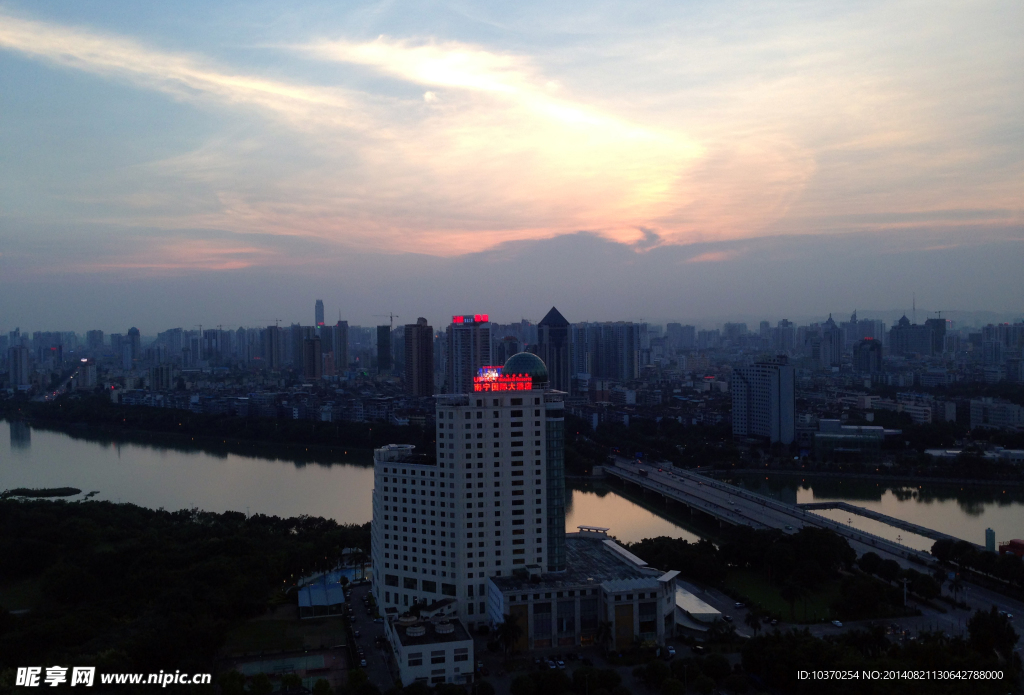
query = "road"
{"x": 380, "y": 666}
{"x": 734, "y": 505}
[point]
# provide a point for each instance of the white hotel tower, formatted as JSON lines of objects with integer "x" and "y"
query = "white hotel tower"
{"x": 491, "y": 500}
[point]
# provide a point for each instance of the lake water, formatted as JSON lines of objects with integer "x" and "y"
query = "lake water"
{"x": 160, "y": 476}
{"x": 964, "y": 512}
{"x": 175, "y": 478}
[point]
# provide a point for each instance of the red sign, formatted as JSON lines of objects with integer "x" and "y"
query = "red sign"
{"x": 471, "y": 318}
{"x": 503, "y": 382}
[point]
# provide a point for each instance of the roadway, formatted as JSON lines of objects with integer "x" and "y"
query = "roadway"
{"x": 734, "y": 505}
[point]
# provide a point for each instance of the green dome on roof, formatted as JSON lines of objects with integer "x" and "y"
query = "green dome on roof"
{"x": 527, "y": 363}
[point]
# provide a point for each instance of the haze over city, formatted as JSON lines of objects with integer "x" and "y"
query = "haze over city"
{"x": 220, "y": 162}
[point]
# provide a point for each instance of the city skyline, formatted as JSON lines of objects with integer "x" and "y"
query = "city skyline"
{"x": 739, "y": 160}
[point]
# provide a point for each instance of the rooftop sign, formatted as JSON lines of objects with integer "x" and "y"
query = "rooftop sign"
{"x": 471, "y": 318}
{"x": 491, "y": 379}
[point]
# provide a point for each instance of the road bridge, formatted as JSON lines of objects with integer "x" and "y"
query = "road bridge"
{"x": 733, "y": 505}
{"x": 885, "y": 519}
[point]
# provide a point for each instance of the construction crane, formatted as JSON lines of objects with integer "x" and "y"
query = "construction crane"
{"x": 391, "y": 316}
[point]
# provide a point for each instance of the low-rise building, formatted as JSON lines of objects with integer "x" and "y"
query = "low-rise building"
{"x": 602, "y": 583}
{"x": 431, "y": 647}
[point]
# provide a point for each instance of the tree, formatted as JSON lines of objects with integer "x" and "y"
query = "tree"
{"x": 792, "y": 592}
{"x": 672, "y": 686}
{"x": 704, "y": 685}
{"x": 483, "y": 688}
{"x": 753, "y": 620}
{"x": 232, "y": 683}
{"x": 322, "y": 687}
{"x": 869, "y": 562}
{"x": 290, "y": 681}
{"x": 509, "y": 632}
{"x": 991, "y": 631}
{"x": 523, "y": 685}
{"x": 889, "y": 570}
{"x": 260, "y": 685}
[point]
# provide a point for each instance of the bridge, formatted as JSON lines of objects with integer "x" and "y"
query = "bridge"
{"x": 729, "y": 504}
{"x": 885, "y": 519}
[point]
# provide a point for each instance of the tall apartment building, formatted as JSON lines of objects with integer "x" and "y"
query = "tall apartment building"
{"x": 318, "y": 312}
{"x": 419, "y": 358}
{"x": 489, "y": 501}
{"x": 17, "y": 366}
{"x": 553, "y": 348}
{"x": 339, "y": 343}
{"x": 763, "y": 400}
{"x": 607, "y": 350}
{"x": 312, "y": 358}
{"x": 272, "y": 348}
{"x": 384, "y": 354}
{"x": 469, "y": 350}
{"x": 867, "y": 356}
{"x": 832, "y": 344}
{"x": 910, "y": 339}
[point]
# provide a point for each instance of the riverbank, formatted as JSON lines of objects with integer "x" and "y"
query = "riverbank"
{"x": 314, "y": 441}
{"x": 911, "y": 481}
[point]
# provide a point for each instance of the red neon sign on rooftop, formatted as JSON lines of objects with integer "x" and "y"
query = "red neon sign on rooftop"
{"x": 471, "y": 318}
{"x": 503, "y": 382}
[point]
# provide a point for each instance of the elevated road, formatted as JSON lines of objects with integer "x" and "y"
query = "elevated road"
{"x": 733, "y": 505}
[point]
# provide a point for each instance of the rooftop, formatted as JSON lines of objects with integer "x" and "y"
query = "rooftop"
{"x": 589, "y": 561}
{"x": 434, "y": 632}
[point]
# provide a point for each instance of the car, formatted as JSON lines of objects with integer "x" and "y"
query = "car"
{"x": 727, "y": 618}
{"x": 560, "y": 664}
{"x": 362, "y": 662}
{"x": 378, "y": 620}
{"x": 740, "y": 605}
{"x": 788, "y": 527}
{"x": 552, "y": 665}
{"x": 837, "y": 623}
{"x": 671, "y": 651}
{"x": 775, "y": 621}
{"x": 699, "y": 649}
{"x": 355, "y": 633}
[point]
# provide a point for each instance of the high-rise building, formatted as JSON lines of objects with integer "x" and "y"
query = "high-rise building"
{"x": 94, "y": 340}
{"x": 831, "y": 344}
{"x": 340, "y": 344}
{"x": 763, "y": 400}
{"x": 867, "y": 356}
{"x": 607, "y": 350}
{"x": 554, "y": 348}
{"x": 312, "y": 358}
{"x": 17, "y": 366}
{"x": 384, "y": 354}
{"x": 419, "y": 358}
{"x": 938, "y": 327}
{"x": 135, "y": 342}
{"x": 490, "y": 501}
{"x": 910, "y": 339}
{"x": 319, "y": 311}
{"x": 681, "y": 337}
{"x": 469, "y": 349}
{"x": 272, "y": 348}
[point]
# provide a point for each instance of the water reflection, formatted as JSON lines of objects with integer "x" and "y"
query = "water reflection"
{"x": 961, "y": 511}
{"x": 629, "y": 520}
{"x": 21, "y": 436}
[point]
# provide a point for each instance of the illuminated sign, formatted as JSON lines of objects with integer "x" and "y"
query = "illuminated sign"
{"x": 471, "y": 318}
{"x": 491, "y": 379}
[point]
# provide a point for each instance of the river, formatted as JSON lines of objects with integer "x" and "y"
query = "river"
{"x": 174, "y": 478}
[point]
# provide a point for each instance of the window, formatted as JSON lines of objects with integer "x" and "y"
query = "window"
{"x": 430, "y": 587}
{"x": 448, "y": 589}
{"x": 391, "y": 580}
{"x": 462, "y": 654}
{"x": 437, "y": 657}
{"x": 416, "y": 658}
{"x": 408, "y": 582}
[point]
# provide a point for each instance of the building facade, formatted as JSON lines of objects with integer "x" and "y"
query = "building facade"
{"x": 419, "y": 358}
{"x": 469, "y": 349}
{"x": 763, "y": 401}
{"x": 483, "y": 505}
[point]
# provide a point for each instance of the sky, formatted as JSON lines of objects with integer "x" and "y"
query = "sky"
{"x": 174, "y": 164}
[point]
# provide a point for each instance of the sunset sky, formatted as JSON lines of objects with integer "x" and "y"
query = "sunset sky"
{"x": 219, "y": 162}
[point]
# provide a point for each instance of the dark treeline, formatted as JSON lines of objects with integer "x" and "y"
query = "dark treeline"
{"x": 797, "y": 565}
{"x": 969, "y": 558}
{"x": 129, "y": 589}
{"x": 102, "y": 417}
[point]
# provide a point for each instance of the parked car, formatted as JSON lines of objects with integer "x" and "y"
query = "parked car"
{"x": 560, "y": 664}
{"x": 355, "y": 633}
{"x": 837, "y": 623}
{"x": 699, "y": 649}
{"x": 671, "y": 650}
{"x": 740, "y": 605}
{"x": 774, "y": 621}
{"x": 362, "y": 662}
{"x": 378, "y": 620}
{"x": 727, "y": 618}
{"x": 552, "y": 666}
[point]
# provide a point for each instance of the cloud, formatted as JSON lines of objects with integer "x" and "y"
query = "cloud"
{"x": 713, "y": 257}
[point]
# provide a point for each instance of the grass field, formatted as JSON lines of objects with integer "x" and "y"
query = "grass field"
{"x": 814, "y": 608}
{"x": 283, "y": 634}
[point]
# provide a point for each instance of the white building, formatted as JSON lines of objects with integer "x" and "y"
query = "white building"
{"x": 763, "y": 401}
{"x": 491, "y": 499}
{"x": 432, "y": 647}
{"x": 469, "y": 349}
